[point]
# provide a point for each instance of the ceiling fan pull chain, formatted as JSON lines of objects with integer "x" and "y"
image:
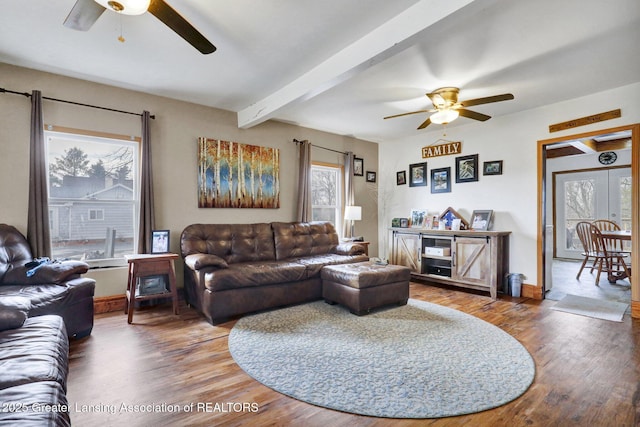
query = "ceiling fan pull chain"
{"x": 120, "y": 38}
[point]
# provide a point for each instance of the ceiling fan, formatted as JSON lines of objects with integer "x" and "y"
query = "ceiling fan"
{"x": 86, "y": 12}
{"x": 447, "y": 108}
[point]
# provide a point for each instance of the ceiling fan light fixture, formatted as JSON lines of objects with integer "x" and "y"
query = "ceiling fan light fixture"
{"x": 126, "y": 7}
{"x": 442, "y": 117}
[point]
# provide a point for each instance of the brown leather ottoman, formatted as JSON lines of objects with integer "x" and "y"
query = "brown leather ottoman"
{"x": 364, "y": 286}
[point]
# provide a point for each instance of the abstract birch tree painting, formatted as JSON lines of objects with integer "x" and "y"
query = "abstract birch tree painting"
{"x": 234, "y": 175}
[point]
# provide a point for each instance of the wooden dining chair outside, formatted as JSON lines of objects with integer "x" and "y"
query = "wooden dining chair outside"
{"x": 590, "y": 248}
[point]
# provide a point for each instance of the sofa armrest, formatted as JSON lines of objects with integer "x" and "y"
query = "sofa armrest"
{"x": 350, "y": 248}
{"x": 13, "y": 312}
{"x": 199, "y": 261}
{"x": 54, "y": 272}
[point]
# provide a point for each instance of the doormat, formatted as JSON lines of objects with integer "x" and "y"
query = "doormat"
{"x": 591, "y": 307}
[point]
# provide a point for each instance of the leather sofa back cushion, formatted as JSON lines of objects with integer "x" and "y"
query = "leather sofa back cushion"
{"x": 232, "y": 242}
{"x": 14, "y": 248}
{"x": 300, "y": 239}
{"x": 55, "y": 272}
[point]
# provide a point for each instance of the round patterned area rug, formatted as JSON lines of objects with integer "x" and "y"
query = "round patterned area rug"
{"x": 416, "y": 361}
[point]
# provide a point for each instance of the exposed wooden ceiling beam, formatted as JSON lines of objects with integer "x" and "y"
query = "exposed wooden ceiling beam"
{"x": 385, "y": 41}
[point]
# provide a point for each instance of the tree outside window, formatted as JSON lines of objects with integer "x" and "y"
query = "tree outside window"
{"x": 326, "y": 197}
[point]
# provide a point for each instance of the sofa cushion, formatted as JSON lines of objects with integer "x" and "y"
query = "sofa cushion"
{"x": 301, "y": 239}
{"x": 31, "y": 400}
{"x": 44, "y": 298}
{"x": 13, "y": 312}
{"x": 232, "y": 242}
{"x": 251, "y": 274}
{"x": 37, "y": 351}
{"x": 52, "y": 272}
{"x": 315, "y": 263}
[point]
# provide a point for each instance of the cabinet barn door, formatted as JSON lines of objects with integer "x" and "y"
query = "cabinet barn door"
{"x": 473, "y": 260}
{"x": 406, "y": 250}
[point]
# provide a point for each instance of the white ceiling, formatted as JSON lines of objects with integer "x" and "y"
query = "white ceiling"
{"x": 342, "y": 65}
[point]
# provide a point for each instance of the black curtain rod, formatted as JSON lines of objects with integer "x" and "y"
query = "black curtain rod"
{"x": 317, "y": 146}
{"x": 28, "y": 95}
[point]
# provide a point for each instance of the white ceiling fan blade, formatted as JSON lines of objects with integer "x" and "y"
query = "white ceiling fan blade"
{"x": 83, "y": 15}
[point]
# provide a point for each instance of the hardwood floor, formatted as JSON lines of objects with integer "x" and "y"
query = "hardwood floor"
{"x": 587, "y": 372}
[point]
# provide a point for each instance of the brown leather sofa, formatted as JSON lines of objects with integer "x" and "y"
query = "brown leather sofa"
{"x": 232, "y": 269}
{"x": 55, "y": 288}
{"x": 39, "y": 310}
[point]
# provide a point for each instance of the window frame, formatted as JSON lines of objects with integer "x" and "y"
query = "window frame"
{"x": 339, "y": 208}
{"x": 106, "y": 138}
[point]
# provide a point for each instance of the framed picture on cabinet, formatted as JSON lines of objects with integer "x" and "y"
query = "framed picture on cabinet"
{"x": 467, "y": 168}
{"x": 418, "y": 218}
{"x": 448, "y": 216}
{"x": 481, "y": 220}
{"x": 441, "y": 180}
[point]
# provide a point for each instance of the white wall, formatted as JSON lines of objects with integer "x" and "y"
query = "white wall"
{"x": 512, "y": 195}
{"x": 174, "y": 135}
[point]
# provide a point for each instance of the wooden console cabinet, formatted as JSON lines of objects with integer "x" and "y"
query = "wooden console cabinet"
{"x": 470, "y": 259}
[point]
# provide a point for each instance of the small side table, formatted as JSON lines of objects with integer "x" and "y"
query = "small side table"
{"x": 365, "y": 244}
{"x": 144, "y": 265}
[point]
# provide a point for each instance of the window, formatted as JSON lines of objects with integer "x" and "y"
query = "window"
{"x": 93, "y": 196}
{"x": 96, "y": 214}
{"x": 326, "y": 194}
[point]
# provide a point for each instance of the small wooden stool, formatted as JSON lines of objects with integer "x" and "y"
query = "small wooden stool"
{"x": 145, "y": 265}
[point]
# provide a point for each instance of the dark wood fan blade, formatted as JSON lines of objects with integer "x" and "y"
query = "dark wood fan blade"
{"x": 406, "y": 114}
{"x": 425, "y": 124}
{"x": 83, "y": 15}
{"x": 177, "y": 23}
{"x": 473, "y": 115}
{"x": 487, "y": 100}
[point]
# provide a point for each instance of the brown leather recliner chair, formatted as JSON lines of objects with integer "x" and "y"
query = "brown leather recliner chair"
{"x": 53, "y": 288}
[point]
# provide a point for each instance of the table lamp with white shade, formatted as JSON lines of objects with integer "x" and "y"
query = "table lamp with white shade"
{"x": 352, "y": 213}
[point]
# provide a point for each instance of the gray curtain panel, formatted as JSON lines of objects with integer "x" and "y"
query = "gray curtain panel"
{"x": 304, "y": 182}
{"x": 38, "y": 215}
{"x": 147, "y": 216}
{"x": 349, "y": 194}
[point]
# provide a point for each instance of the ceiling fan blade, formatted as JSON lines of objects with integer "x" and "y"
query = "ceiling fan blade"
{"x": 473, "y": 115}
{"x": 425, "y": 123}
{"x": 487, "y": 100}
{"x": 406, "y": 114}
{"x": 83, "y": 15}
{"x": 177, "y": 23}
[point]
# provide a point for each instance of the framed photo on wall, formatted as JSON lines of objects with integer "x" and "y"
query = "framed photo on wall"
{"x": 159, "y": 241}
{"x": 441, "y": 180}
{"x": 493, "y": 167}
{"x": 401, "y": 177}
{"x": 371, "y": 176}
{"x": 418, "y": 174}
{"x": 467, "y": 168}
{"x": 358, "y": 166}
